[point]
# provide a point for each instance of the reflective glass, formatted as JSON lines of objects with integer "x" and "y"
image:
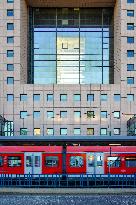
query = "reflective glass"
{"x": 49, "y": 97}
{"x": 10, "y": 12}
{"x": 130, "y": 13}
{"x": 10, "y": 97}
{"x": 23, "y": 97}
{"x": 130, "y": 80}
{"x": 130, "y": 67}
{"x": 71, "y": 46}
{"x": 117, "y": 97}
{"x": 23, "y": 131}
{"x": 10, "y": 67}
{"x": 117, "y": 114}
{"x": 63, "y": 97}
{"x": 23, "y": 114}
{"x": 36, "y": 114}
{"x": 103, "y": 114}
{"x": 63, "y": 131}
{"x": 50, "y": 114}
{"x": 50, "y": 131}
{"x": 36, "y": 97}
{"x": 130, "y": 97}
{"x": 10, "y": 26}
{"x": 77, "y": 97}
{"x": 63, "y": 114}
{"x": 103, "y": 131}
{"x": 10, "y": 80}
{"x": 77, "y": 131}
{"x": 10, "y": 39}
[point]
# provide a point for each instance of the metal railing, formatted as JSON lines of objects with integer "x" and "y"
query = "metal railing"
{"x": 68, "y": 181}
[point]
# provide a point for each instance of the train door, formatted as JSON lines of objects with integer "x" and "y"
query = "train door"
{"x": 33, "y": 162}
{"x": 95, "y": 163}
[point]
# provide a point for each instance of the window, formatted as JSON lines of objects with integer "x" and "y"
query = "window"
{"x": 90, "y": 131}
{"x": 76, "y": 161}
{"x": 130, "y": 1}
{"x": 37, "y": 131}
{"x": 113, "y": 161}
{"x": 10, "y": 67}
{"x": 63, "y": 97}
{"x": 130, "y": 26}
{"x": 130, "y": 39}
{"x": 103, "y": 131}
{"x": 130, "y": 97}
{"x": 1, "y": 161}
{"x": 50, "y": 114}
{"x": 9, "y": 128}
{"x": 10, "y": 53}
{"x": 63, "y": 114}
{"x": 10, "y": 1}
{"x": 131, "y": 161}
{"x": 23, "y": 97}
{"x": 90, "y": 97}
{"x": 10, "y": 12}
{"x": 103, "y": 114}
{"x": 130, "y": 67}
{"x": 36, "y": 97}
{"x": 90, "y": 114}
{"x": 130, "y": 80}
{"x": 130, "y": 13}
{"x": 117, "y": 114}
{"x": 63, "y": 131}
{"x": 51, "y": 161}
{"x": 23, "y": 131}
{"x": 10, "y": 97}
{"x": 10, "y": 26}
{"x": 29, "y": 161}
{"x": 10, "y": 39}
{"x": 130, "y": 53}
{"x": 77, "y": 131}
{"x": 50, "y": 97}
{"x": 36, "y": 114}
{"x": 10, "y": 80}
{"x": 116, "y": 131}
{"x": 14, "y": 161}
{"x": 50, "y": 131}
{"x": 77, "y": 97}
{"x": 77, "y": 114}
{"x": 117, "y": 97}
{"x": 23, "y": 114}
{"x": 104, "y": 97}
{"x": 90, "y": 161}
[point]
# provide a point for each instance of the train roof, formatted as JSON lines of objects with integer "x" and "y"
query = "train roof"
{"x": 101, "y": 149}
{"x": 48, "y": 149}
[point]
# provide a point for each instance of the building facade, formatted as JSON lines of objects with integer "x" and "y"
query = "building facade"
{"x": 67, "y": 67}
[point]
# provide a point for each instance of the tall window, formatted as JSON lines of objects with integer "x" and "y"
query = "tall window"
{"x": 71, "y": 46}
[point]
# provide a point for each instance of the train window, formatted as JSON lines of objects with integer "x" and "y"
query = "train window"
{"x": 99, "y": 161}
{"x": 14, "y": 161}
{"x": 37, "y": 161}
{"x": 76, "y": 161}
{"x": 131, "y": 162}
{"x": 113, "y": 161}
{"x": 1, "y": 161}
{"x": 90, "y": 161}
{"x": 28, "y": 161}
{"x": 51, "y": 161}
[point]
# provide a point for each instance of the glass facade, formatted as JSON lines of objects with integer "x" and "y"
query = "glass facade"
{"x": 71, "y": 46}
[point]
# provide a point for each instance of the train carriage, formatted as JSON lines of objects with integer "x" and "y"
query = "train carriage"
{"x": 72, "y": 160}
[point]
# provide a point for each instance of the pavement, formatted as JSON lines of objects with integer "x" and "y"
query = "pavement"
{"x": 71, "y": 191}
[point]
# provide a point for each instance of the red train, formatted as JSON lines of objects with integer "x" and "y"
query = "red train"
{"x": 72, "y": 160}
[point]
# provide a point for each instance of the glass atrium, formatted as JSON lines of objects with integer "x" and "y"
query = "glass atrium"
{"x": 71, "y": 46}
